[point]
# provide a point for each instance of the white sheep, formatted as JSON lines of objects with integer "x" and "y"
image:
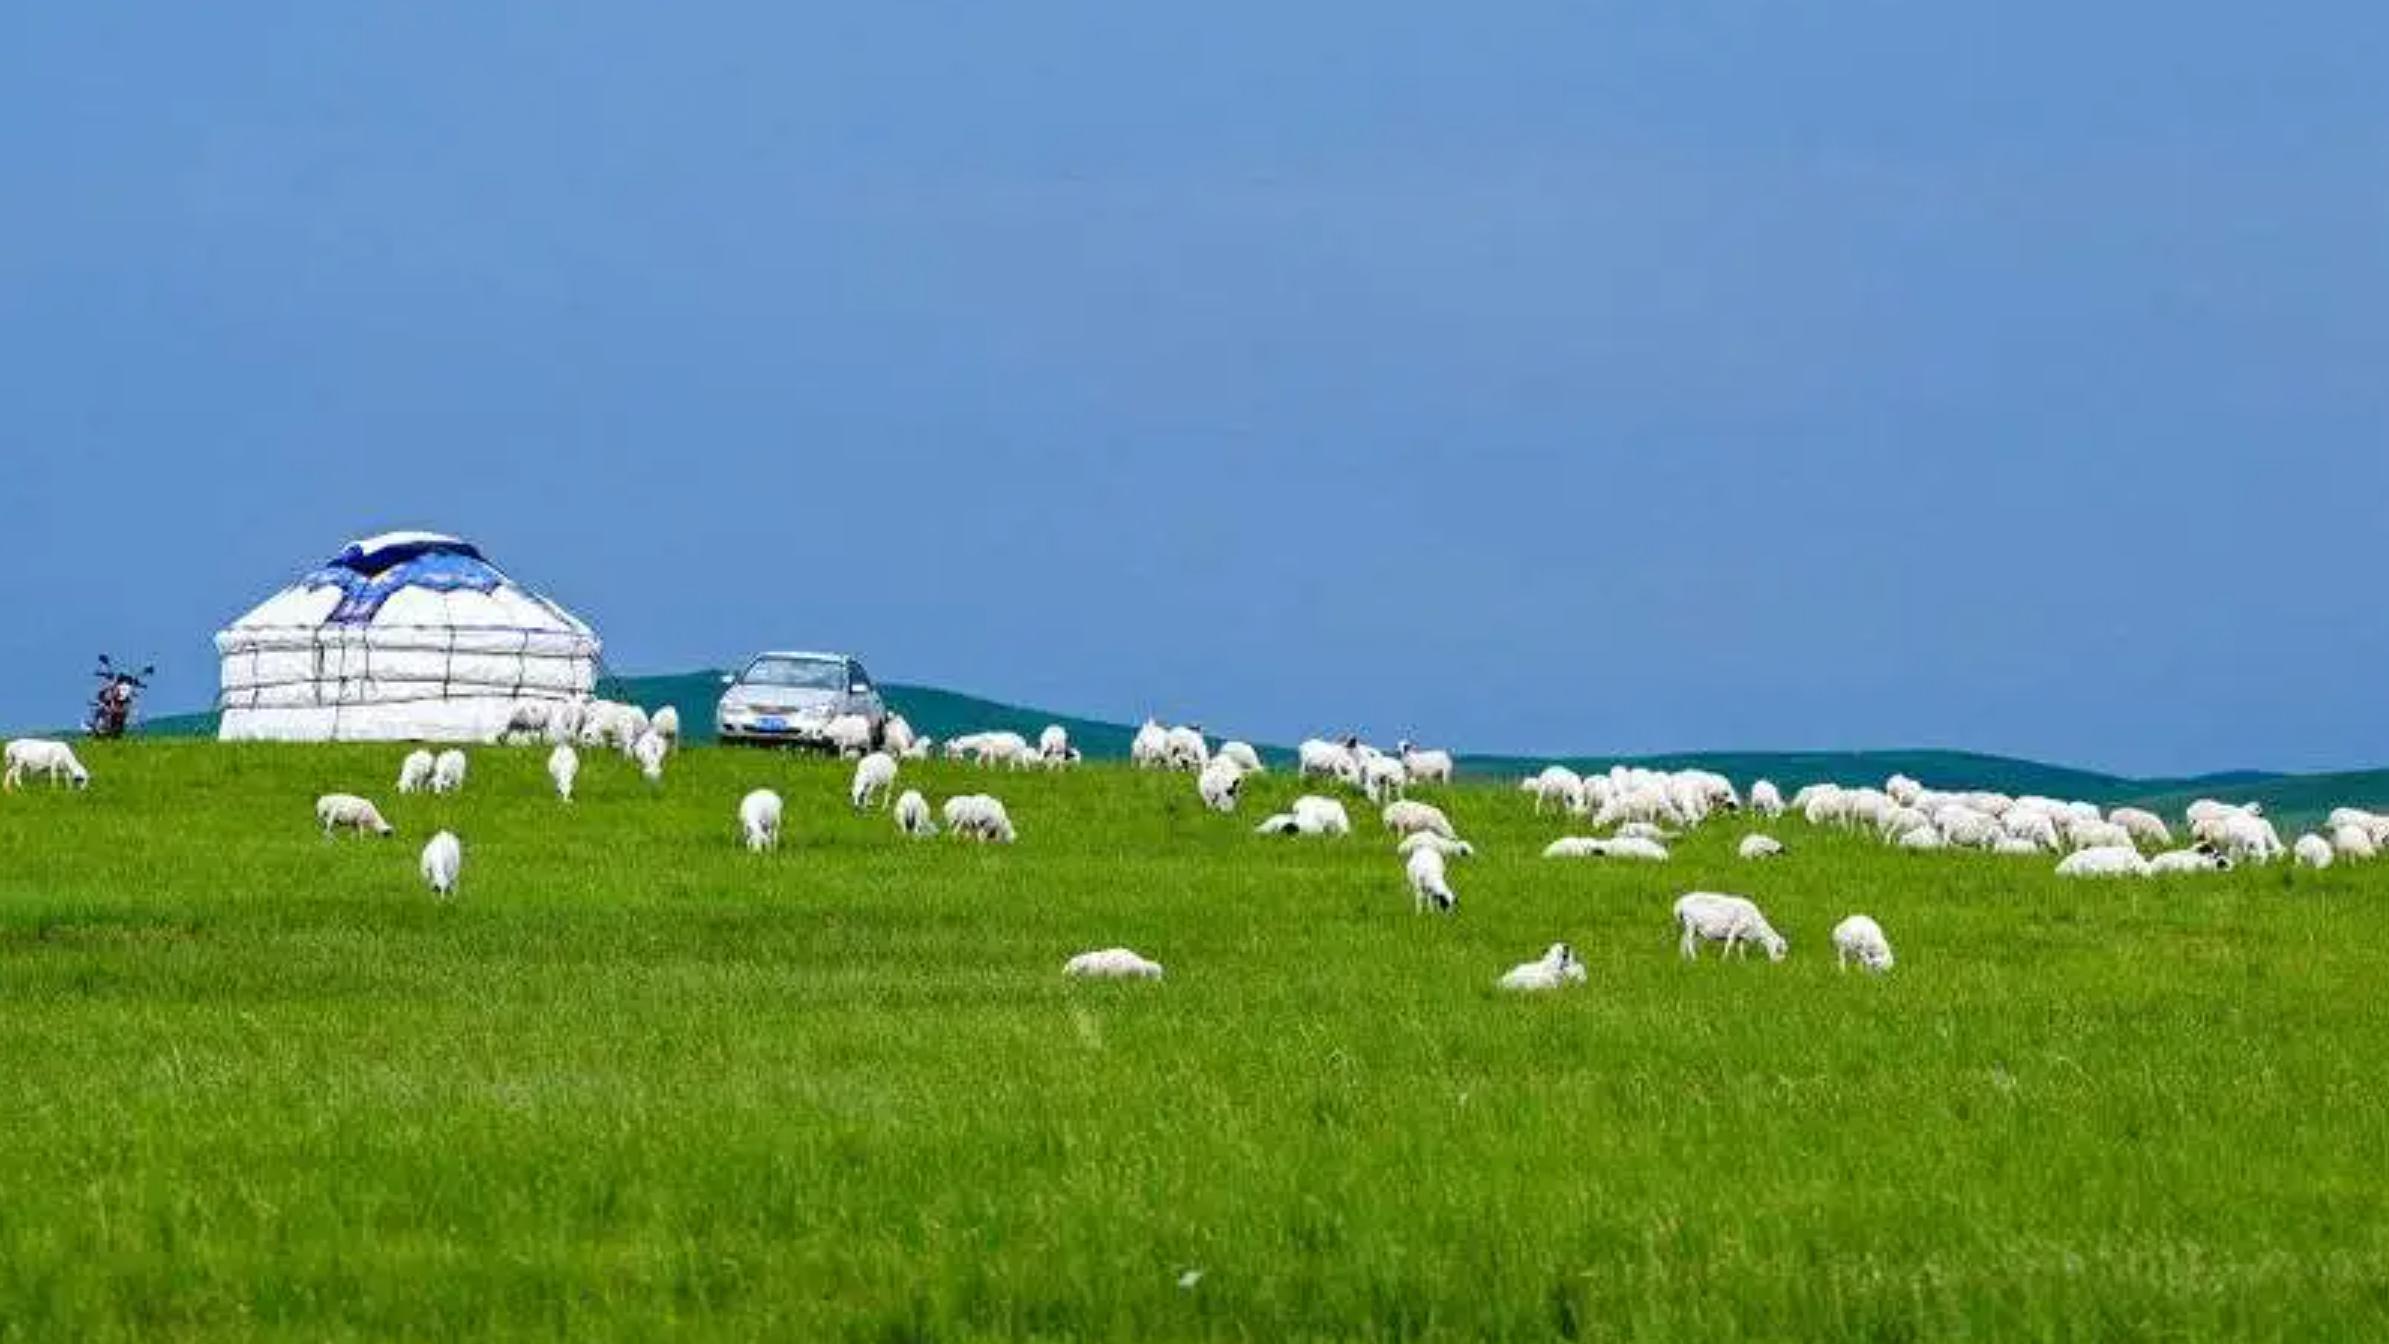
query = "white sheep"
{"x": 1334, "y": 760}
{"x": 912, "y": 815}
{"x": 1448, "y": 846}
{"x": 649, "y": 752}
{"x": 2197, "y": 859}
{"x": 1002, "y": 748}
{"x": 874, "y": 776}
{"x": 443, "y": 860}
{"x": 2313, "y": 851}
{"x": 1923, "y": 839}
{"x": 2104, "y": 861}
{"x": 1591, "y": 847}
{"x": 1321, "y": 816}
{"x": 1759, "y": 847}
{"x": 977, "y": 816}
{"x": 448, "y": 772}
{"x": 564, "y": 722}
{"x": 848, "y": 734}
{"x": 1149, "y": 749}
{"x": 1556, "y": 784}
{"x": 527, "y": 720}
{"x": 1708, "y": 916}
{"x": 335, "y": 810}
{"x": 2035, "y": 828}
{"x": 1054, "y": 743}
{"x": 1383, "y": 777}
{"x": 2143, "y": 826}
{"x": 1219, "y": 784}
{"x": 1112, "y": 963}
{"x": 1644, "y": 830}
{"x": 759, "y": 820}
{"x": 2354, "y": 841}
{"x": 2098, "y": 834}
{"x": 1861, "y": 939}
{"x": 1242, "y": 754}
{"x": 1766, "y": 799}
{"x": 1185, "y": 749}
{"x": 1404, "y": 817}
{"x": 1557, "y": 968}
{"x": 414, "y": 773}
{"x": 897, "y": 738}
{"x": 2014, "y": 846}
{"x": 665, "y": 723}
{"x": 1425, "y": 767}
{"x": 1429, "y": 887}
{"x": 563, "y": 766}
{"x": 2244, "y": 835}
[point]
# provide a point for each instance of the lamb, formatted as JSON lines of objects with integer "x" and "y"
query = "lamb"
{"x": 335, "y": 810}
{"x": 649, "y": 751}
{"x": 1404, "y": 817}
{"x": 443, "y": 859}
{"x": 44, "y": 757}
{"x": 414, "y": 773}
{"x": 1219, "y": 784}
{"x": 1054, "y": 743}
{"x": 912, "y": 815}
{"x": 1425, "y": 767}
{"x": 976, "y": 816}
{"x": 2104, "y": 861}
{"x": 1861, "y": 939}
{"x": 1557, "y": 968}
{"x": 1707, "y": 916}
{"x": 2353, "y": 842}
{"x": 874, "y": 776}
{"x": 1112, "y": 963}
{"x": 759, "y": 820}
{"x": 2313, "y": 851}
{"x": 848, "y": 734}
{"x": 665, "y": 723}
{"x": 448, "y": 772}
{"x": 1449, "y": 847}
{"x": 2144, "y": 827}
{"x": 1428, "y": 885}
{"x": 1766, "y": 799}
{"x": 1759, "y": 847}
{"x": 1242, "y": 755}
{"x": 563, "y": 765}
{"x": 2197, "y": 859}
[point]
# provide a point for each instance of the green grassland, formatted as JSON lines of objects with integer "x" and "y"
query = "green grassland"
{"x": 638, "y": 1083}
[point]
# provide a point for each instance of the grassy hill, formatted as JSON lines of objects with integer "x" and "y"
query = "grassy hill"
{"x": 942, "y": 714}
{"x": 637, "y": 1083}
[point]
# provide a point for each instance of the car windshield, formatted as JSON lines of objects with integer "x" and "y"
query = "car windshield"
{"x": 802, "y": 674}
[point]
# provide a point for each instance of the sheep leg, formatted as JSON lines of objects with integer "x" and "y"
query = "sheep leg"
{"x": 1690, "y": 946}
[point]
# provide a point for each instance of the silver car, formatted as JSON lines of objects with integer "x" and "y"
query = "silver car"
{"x": 789, "y": 698}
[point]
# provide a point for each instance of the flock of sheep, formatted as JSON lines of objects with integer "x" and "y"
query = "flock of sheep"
{"x": 1639, "y": 809}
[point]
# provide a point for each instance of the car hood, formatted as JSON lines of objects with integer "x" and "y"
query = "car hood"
{"x": 780, "y": 699}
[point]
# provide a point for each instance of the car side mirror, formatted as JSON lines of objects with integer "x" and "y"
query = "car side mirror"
{"x": 859, "y": 688}
{"x": 729, "y": 679}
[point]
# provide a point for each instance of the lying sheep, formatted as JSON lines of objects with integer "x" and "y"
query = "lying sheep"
{"x": 2104, "y": 861}
{"x": 414, "y": 773}
{"x": 759, "y": 820}
{"x": 1593, "y": 847}
{"x": 1759, "y": 847}
{"x": 335, "y": 810}
{"x": 976, "y": 816}
{"x": 1219, "y": 785}
{"x": 2197, "y": 859}
{"x": 1424, "y": 767}
{"x": 448, "y": 772}
{"x": 2312, "y": 851}
{"x": 443, "y": 860}
{"x": 1321, "y": 816}
{"x": 1861, "y": 939}
{"x": 1429, "y": 887}
{"x": 1446, "y": 845}
{"x": 1112, "y": 963}
{"x": 1707, "y": 916}
{"x": 1404, "y": 817}
{"x": 1557, "y": 968}
{"x": 874, "y": 776}
{"x": 912, "y": 815}
{"x": 1923, "y": 839}
{"x": 563, "y": 766}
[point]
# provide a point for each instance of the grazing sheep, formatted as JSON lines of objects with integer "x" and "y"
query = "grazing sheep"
{"x": 2353, "y": 841}
{"x": 1054, "y": 742}
{"x": 1332, "y": 760}
{"x": 1219, "y": 785}
{"x": 563, "y": 765}
{"x": 919, "y": 749}
{"x": 443, "y": 859}
{"x": 1149, "y": 749}
{"x": 1766, "y": 799}
{"x": 874, "y": 776}
{"x": 2098, "y": 835}
{"x": 2313, "y": 851}
{"x": 2144, "y": 827}
{"x": 1424, "y": 767}
{"x": 912, "y": 815}
{"x": 1759, "y": 847}
{"x": 42, "y": 756}
{"x": 414, "y": 773}
{"x": 1903, "y": 790}
{"x": 1556, "y": 784}
{"x": 1242, "y": 754}
{"x": 2244, "y": 835}
{"x": 2197, "y": 859}
{"x": 448, "y": 772}
{"x": 1557, "y": 968}
{"x": 1428, "y": 885}
{"x": 1382, "y": 778}
{"x": 335, "y": 810}
{"x": 976, "y": 816}
{"x": 2372, "y": 823}
{"x": 1185, "y": 749}
{"x": 1404, "y": 817}
{"x": 649, "y": 752}
{"x": 1448, "y": 846}
{"x": 848, "y": 734}
{"x": 1861, "y": 939}
{"x": 1961, "y": 825}
{"x": 1708, "y": 916}
{"x": 527, "y": 721}
{"x": 563, "y": 723}
{"x": 665, "y": 723}
{"x": 1004, "y": 748}
{"x": 759, "y": 820}
{"x": 2104, "y": 861}
{"x": 2037, "y": 829}
{"x": 1112, "y": 963}
{"x": 897, "y": 738}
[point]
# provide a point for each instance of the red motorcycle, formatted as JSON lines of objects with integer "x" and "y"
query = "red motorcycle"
{"x": 112, "y": 707}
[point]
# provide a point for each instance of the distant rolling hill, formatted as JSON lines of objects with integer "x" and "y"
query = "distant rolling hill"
{"x": 942, "y": 714}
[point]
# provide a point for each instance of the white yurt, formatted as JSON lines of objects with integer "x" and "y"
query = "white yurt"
{"x": 404, "y": 636}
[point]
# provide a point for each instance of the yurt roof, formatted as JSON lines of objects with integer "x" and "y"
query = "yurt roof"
{"x": 410, "y": 579}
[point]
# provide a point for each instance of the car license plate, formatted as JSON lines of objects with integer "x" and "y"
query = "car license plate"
{"x": 772, "y": 723}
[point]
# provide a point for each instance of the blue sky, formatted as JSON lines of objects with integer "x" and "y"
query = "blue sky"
{"x": 1589, "y": 377}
